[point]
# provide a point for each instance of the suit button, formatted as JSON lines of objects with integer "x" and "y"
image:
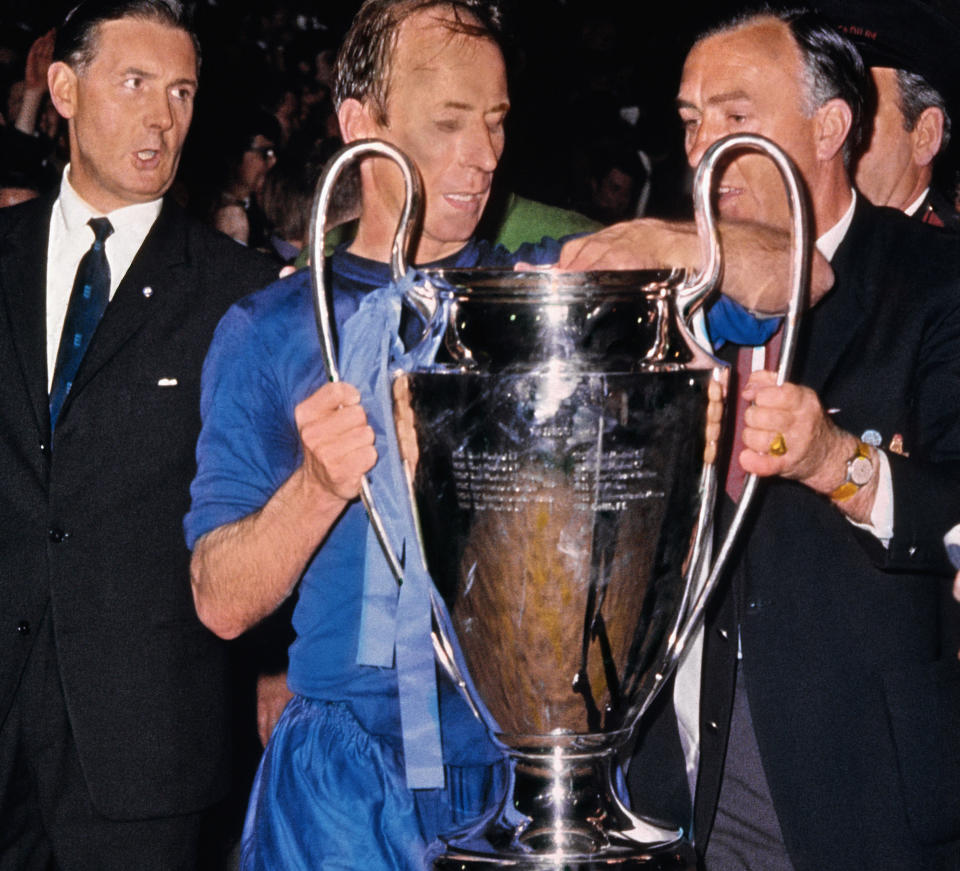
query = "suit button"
{"x": 57, "y": 535}
{"x": 23, "y": 627}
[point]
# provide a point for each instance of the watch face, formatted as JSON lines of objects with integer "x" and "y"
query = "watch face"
{"x": 861, "y": 470}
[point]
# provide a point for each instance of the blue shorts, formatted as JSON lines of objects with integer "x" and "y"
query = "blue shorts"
{"x": 329, "y": 795}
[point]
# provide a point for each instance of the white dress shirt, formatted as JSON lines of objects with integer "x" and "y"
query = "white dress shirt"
{"x": 71, "y": 238}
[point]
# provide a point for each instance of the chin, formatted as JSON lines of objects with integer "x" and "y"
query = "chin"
{"x": 452, "y": 236}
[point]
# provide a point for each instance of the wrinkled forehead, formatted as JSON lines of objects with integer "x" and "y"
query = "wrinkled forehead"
{"x": 759, "y": 56}
{"x": 432, "y": 40}
{"x": 132, "y": 35}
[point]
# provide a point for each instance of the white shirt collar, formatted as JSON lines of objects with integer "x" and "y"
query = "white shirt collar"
{"x": 70, "y": 239}
{"x": 912, "y": 209}
{"x": 828, "y": 243}
{"x": 138, "y": 218}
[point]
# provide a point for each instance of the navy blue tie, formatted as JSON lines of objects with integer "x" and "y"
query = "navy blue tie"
{"x": 88, "y": 300}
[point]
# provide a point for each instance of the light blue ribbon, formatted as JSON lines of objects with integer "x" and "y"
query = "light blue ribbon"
{"x": 395, "y": 625}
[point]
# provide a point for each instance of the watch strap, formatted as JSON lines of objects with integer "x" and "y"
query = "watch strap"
{"x": 849, "y": 487}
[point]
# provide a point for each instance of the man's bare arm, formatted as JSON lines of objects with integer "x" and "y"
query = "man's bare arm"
{"x": 242, "y": 571}
{"x": 756, "y": 257}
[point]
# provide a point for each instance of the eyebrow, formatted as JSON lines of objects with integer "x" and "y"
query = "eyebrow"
{"x": 136, "y": 71}
{"x": 467, "y": 107}
{"x": 716, "y": 99}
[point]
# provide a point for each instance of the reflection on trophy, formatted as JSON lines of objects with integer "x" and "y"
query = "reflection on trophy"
{"x": 560, "y": 450}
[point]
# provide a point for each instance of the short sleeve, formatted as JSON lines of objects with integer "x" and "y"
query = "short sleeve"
{"x": 248, "y": 443}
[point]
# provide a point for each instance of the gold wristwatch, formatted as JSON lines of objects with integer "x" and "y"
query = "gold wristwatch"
{"x": 859, "y": 472}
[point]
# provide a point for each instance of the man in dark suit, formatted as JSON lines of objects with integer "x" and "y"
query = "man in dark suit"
{"x": 912, "y": 51}
{"x": 113, "y": 723}
{"x": 828, "y": 724}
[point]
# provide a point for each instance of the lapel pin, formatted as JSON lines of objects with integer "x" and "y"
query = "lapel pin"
{"x": 871, "y": 437}
{"x": 147, "y": 292}
{"x": 167, "y": 382}
{"x": 896, "y": 445}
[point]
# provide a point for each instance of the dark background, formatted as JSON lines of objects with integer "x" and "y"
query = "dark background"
{"x": 575, "y": 64}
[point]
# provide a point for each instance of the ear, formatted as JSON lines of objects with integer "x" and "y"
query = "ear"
{"x": 62, "y": 82}
{"x": 356, "y": 121}
{"x": 927, "y": 136}
{"x": 833, "y": 122}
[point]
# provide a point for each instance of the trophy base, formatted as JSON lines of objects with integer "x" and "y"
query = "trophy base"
{"x": 562, "y": 812}
{"x": 679, "y": 857}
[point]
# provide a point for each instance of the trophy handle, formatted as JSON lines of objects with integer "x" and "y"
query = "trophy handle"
{"x": 420, "y": 298}
{"x": 802, "y": 240}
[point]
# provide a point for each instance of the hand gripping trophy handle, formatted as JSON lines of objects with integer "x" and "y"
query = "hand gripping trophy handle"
{"x": 323, "y": 305}
{"x": 690, "y": 297}
{"x": 418, "y": 296}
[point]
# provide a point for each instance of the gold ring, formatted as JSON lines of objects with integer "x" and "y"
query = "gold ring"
{"x": 778, "y": 447}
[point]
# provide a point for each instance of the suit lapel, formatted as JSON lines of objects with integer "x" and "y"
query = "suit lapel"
{"x": 155, "y": 275}
{"x": 23, "y": 270}
{"x": 830, "y": 329}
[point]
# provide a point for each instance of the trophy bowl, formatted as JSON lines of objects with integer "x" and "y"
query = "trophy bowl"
{"x": 559, "y": 446}
{"x": 561, "y": 475}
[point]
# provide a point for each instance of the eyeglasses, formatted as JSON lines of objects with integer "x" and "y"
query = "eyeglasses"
{"x": 267, "y": 152}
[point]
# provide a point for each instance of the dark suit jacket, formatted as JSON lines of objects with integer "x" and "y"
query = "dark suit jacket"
{"x": 91, "y": 522}
{"x": 854, "y": 695}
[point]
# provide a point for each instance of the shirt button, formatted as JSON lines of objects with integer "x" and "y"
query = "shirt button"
{"x": 23, "y": 627}
{"x": 723, "y": 633}
{"x": 712, "y": 726}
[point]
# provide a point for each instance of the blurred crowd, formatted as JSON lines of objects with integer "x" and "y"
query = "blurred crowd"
{"x": 592, "y": 127}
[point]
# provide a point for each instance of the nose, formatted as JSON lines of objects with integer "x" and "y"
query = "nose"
{"x": 483, "y": 147}
{"x": 159, "y": 112}
{"x": 698, "y": 141}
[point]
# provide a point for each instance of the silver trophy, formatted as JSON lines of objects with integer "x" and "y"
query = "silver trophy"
{"x": 563, "y": 482}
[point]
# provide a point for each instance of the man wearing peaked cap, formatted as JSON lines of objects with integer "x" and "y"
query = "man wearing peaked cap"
{"x": 912, "y": 51}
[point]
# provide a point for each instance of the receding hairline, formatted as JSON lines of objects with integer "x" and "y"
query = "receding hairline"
{"x": 740, "y": 26}
{"x": 443, "y": 18}
{"x": 80, "y": 64}
{"x": 452, "y": 34}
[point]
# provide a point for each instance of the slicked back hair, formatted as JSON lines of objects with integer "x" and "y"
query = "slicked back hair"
{"x": 76, "y": 42}
{"x": 832, "y": 67}
{"x": 364, "y": 63}
{"x": 917, "y": 94}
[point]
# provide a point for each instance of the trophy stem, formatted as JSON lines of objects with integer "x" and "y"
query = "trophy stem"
{"x": 563, "y": 813}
